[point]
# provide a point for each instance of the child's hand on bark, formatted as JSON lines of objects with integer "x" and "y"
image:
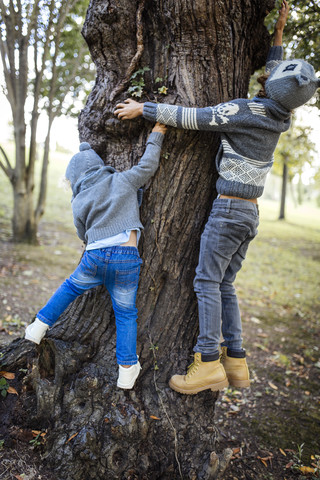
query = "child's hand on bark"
{"x": 129, "y": 109}
{"x": 159, "y": 127}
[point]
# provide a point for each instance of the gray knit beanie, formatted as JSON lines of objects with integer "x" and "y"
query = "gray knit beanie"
{"x": 292, "y": 83}
{"x": 81, "y": 162}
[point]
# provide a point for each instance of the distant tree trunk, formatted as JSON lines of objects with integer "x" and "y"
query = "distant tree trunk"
{"x": 45, "y": 32}
{"x": 205, "y": 53}
{"x": 300, "y": 189}
{"x": 283, "y": 191}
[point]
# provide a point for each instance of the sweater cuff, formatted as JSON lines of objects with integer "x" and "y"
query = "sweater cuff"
{"x": 275, "y": 53}
{"x": 156, "y": 138}
{"x": 150, "y": 111}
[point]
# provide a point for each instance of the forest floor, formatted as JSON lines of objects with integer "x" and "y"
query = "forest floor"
{"x": 273, "y": 427}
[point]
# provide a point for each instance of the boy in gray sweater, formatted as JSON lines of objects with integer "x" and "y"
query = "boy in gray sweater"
{"x": 105, "y": 205}
{"x": 249, "y": 131}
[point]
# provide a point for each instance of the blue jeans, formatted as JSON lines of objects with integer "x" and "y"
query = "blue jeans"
{"x": 118, "y": 269}
{"x": 231, "y": 226}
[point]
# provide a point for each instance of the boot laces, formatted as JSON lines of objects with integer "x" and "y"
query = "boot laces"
{"x": 192, "y": 368}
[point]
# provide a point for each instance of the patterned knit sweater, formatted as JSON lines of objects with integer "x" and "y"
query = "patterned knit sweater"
{"x": 249, "y": 131}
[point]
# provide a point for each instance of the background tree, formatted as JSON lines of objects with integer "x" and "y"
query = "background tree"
{"x": 293, "y": 153}
{"x": 204, "y": 52}
{"x": 45, "y": 59}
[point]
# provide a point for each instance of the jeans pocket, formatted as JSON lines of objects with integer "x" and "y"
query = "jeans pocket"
{"x": 127, "y": 279}
{"x": 230, "y": 237}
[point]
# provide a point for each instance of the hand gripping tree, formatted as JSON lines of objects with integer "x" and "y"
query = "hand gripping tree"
{"x": 199, "y": 53}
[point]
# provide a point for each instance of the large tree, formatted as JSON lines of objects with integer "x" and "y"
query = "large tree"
{"x": 46, "y": 62}
{"x": 204, "y": 52}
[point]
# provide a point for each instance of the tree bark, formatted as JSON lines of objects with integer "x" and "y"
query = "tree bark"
{"x": 205, "y": 53}
{"x": 282, "y": 213}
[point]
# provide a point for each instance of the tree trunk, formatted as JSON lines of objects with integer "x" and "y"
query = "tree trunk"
{"x": 205, "y": 53}
{"x": 44, "y": 172}
{"x": 24, "y": 225}
{"x": 283, "y": 191}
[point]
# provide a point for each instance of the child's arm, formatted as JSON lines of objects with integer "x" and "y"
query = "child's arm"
{"x": 275, "y": 54}
{"x": 281, "y": 23}
{"x": 149, "y": 162}
{"x": 220, "y": 118}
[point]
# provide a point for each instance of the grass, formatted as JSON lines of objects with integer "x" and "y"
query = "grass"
{"x": 278, "y": 290}
{"x": 282, "y": 264}
{"x": 281, "y": 269}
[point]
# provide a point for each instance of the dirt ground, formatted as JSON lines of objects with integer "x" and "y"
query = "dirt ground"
{"x": 273, "y": 427}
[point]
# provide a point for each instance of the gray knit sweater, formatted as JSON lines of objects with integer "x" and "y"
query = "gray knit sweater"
{"x": 105, "y": 201}
{"x": 249, "y": 131}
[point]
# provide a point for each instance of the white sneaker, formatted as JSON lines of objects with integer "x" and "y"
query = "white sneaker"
{"x": 36, "y": 331}
{"x": 128, "y": 376}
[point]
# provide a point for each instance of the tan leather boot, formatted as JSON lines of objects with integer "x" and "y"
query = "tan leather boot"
{"x": 200, "y": 376}
{"x": 236, "y": 369}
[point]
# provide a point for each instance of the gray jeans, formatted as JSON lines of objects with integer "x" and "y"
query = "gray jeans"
{"x": 231, "y": 226}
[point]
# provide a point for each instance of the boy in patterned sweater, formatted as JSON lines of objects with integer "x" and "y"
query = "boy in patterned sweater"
{"x": 249, "y": 131}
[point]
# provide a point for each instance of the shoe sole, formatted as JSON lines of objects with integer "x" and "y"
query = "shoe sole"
{"x": 128, "y": 386}
{"x": 214, "y": 387}
{"x": 32, "y": 339}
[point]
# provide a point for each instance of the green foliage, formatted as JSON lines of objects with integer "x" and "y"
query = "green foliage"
{"x": 36, "y": 442}
{"x": 4, "y": 386}
{"x": 295, "y": 149}
{"x": 75, "y": 71}
{"x": 163, "y": 90}
{"x": 137, "y": 82}
{"x": 301, "y": 34}
{"x": 154, "y": 349}
{"x": 58, "y": 55}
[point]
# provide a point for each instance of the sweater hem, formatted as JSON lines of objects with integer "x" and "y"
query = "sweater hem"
{"x": 237, "y": 189}
{"x": 106, "y": 232}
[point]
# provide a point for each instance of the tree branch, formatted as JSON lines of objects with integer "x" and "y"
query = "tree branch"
{"x": 8, "y": 170}
{"x": 133, "y": 64}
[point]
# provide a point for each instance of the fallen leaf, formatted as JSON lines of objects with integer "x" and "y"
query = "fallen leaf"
{"x": 272, "y": 385}
{"x": 7, "y": 375}
{"x": 36, "y": 432}
{"x": 72, "y": 436}
{"x": 20, "y": 477}
{"x": 12, "y": 390}
{"x": 283, "y": 452}
{"x": 154, "y": 417}
{"x": 262, "y": 347}
{"x": 289, "y": 465}
{"x": 226, "y": 399}
{"x": 236, "y": 450}
{"x": 263, "y": 461}
{"x": 306, "y": 470}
